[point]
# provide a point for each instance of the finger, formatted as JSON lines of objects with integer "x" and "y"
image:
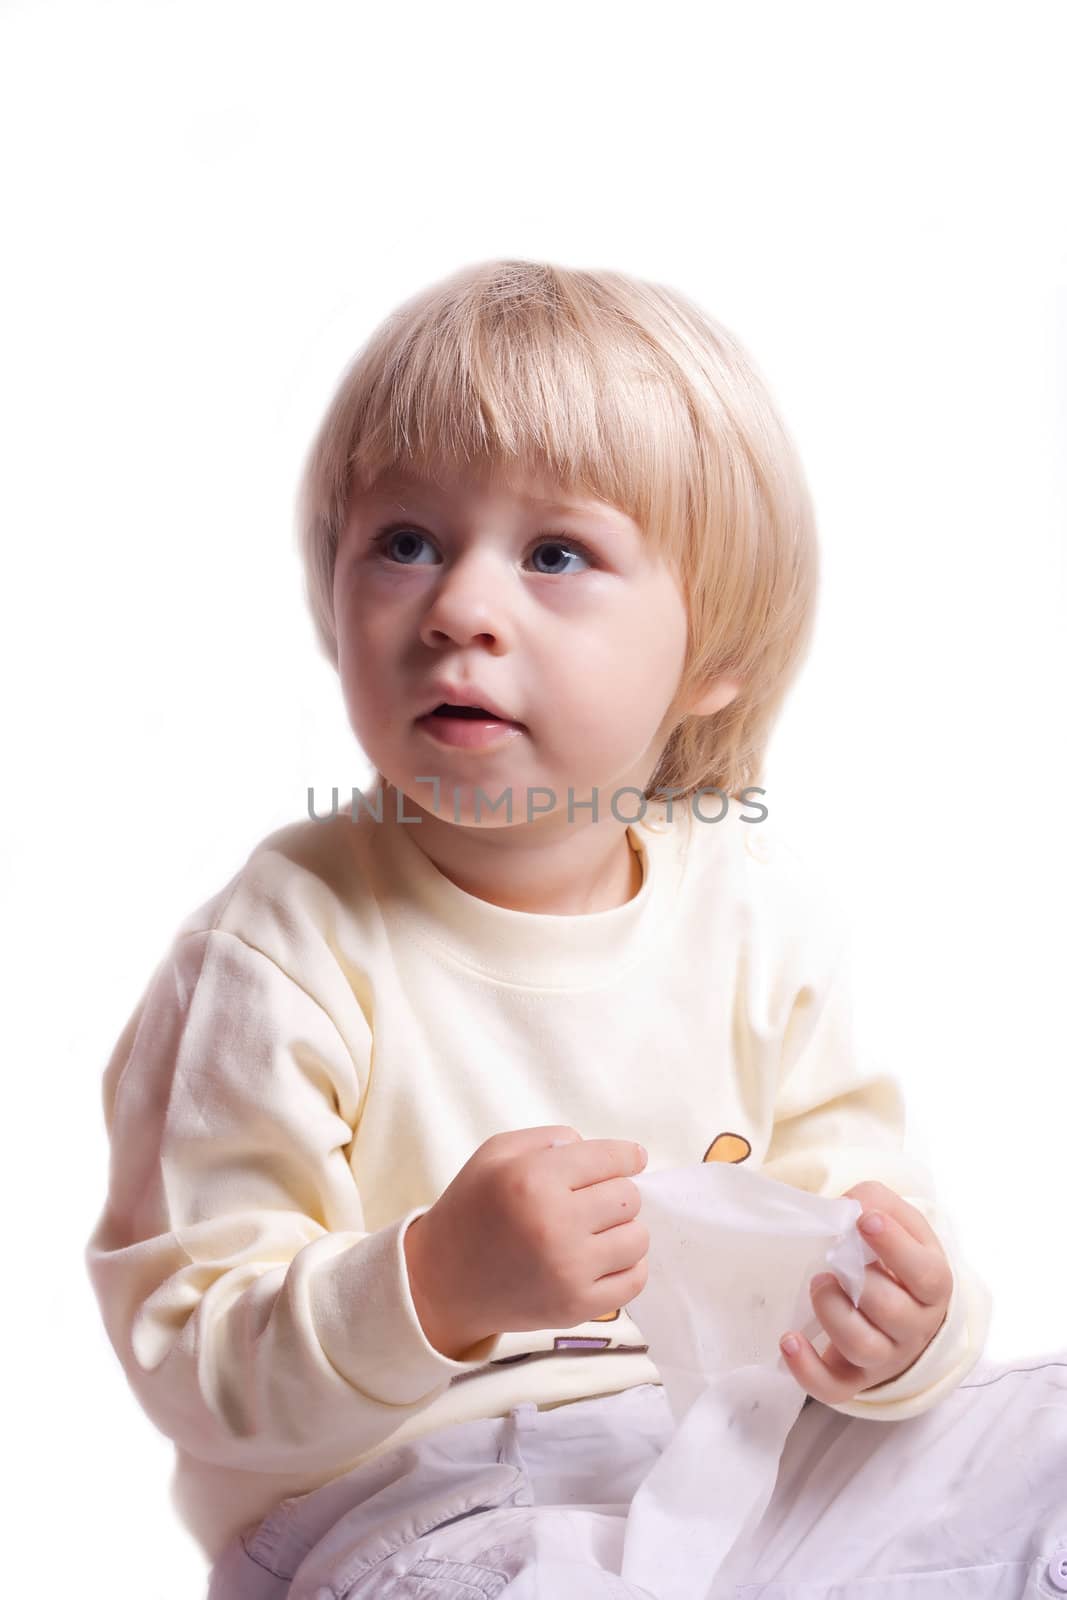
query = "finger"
{"x": 885, "y": 1302}
{"x": 618, "y": 1249}
{"x": 878, "y": 1197}
{"x": 606, "y": 1205}
{"x": 921, "y": 1269}
{"x": 830, "y": 1379}
{"x": 588, "y": 1161}
{"x": 862, "y": 1343}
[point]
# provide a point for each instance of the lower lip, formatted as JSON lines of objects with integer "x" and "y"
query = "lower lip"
{"x": 468, "y": 733}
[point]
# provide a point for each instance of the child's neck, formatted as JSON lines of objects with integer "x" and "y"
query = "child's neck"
{"x": 567, "y": 871}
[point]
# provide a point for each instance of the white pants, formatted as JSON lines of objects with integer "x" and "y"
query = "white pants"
{"x": 969, "y": 1500}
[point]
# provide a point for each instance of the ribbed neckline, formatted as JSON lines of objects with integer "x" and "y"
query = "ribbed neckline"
{"x": 523, "y": 948}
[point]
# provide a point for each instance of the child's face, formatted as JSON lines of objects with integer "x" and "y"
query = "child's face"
{"x": 559, "y": 617}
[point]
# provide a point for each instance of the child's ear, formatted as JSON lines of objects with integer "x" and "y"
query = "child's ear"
{"x": 715, "y": 696}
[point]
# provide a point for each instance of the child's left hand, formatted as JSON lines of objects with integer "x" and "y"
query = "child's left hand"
{"x": 903, "y": 1304}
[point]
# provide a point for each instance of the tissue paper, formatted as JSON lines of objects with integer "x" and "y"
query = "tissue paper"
{"x": 730, "y": 1261}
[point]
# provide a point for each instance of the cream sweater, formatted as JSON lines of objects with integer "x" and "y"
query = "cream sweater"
{"x": 334, "y": 1033}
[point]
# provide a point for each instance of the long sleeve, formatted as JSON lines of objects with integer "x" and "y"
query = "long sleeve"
{"x": 839, "y": 1121}
{"x": 258, "y": 1323}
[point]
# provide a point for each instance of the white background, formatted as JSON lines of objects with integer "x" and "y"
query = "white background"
{"x": 207, "y": 208}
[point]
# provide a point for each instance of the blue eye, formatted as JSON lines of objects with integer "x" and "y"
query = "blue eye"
{"x": 561, "y": 545}
{"x": 382, "y": 542}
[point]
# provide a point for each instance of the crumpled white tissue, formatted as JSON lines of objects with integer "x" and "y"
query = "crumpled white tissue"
{"x": 730, "y": 1262}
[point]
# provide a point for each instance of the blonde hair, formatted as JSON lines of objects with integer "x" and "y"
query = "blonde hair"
{"x": 622, "y": 389}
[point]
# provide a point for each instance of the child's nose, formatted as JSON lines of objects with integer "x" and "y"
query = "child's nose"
{"x": 472, "y": 600}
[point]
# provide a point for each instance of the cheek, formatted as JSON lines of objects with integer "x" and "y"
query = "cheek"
{"x": 364, "y": 634}
{"x": 654, "y": 656}
{"x": 360, "y": 673}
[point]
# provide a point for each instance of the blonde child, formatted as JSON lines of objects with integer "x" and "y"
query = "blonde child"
{"x": 371, "y": 1227}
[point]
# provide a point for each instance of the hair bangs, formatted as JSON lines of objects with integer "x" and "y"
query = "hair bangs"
{"x": 503, "y": 383}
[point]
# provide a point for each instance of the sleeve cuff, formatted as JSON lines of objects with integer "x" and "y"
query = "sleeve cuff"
{"x": 367, "y": 1324}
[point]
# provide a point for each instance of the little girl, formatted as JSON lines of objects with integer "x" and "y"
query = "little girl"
{"x": 371, "y": 1228}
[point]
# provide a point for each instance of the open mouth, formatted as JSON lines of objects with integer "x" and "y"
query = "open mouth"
{"x": 469, "y": 714}
{"x": 477, "y": 713}
{"x": 470, "y": 728}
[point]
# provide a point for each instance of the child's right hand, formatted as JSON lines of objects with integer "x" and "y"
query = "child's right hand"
{"x": 529, "y": 1236}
